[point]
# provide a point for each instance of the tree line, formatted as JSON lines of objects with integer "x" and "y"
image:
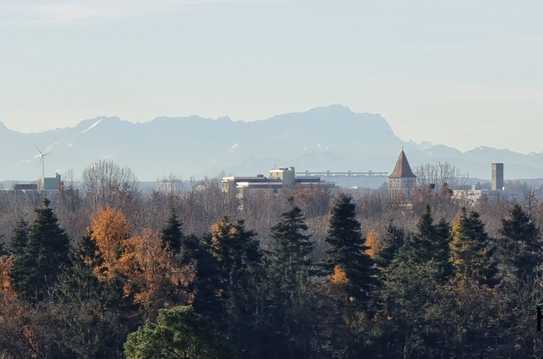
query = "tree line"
{"x": 440, "y": 290}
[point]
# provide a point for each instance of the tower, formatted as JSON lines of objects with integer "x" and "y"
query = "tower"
{"x": 498, "y": 182}
{"x": 402, "y": 181}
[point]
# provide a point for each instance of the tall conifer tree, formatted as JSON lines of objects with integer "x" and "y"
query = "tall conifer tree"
{"x": 522, "y": 245}
{"x": 472, "y": 252}
{"x": 291, "y": 252}
{"x": 45, "y": 256}
{"x": 172, "y": 234}
{"x": 290, "y": 311}
{"x": 20, "y": 239}
{"x": 394, "y": 239}
{"x": 347, "y": 252}
{"x": 240, "y": 264}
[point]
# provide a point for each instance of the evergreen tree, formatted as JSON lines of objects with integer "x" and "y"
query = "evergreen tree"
{"x": 45, "y": 256}
{"x": 240, "y": 264}
{"x": 92, "y": 312}
{"x": 20, "y": 239}
{"x": 178, "y": 333}
{"x": 172, "y": 234}
{"x": 3, "y": 250}
{"x": 208, "y": 285}
{"x": 430, "y": 244}
{"x": 87, "y": 252}
{"x": 347, "y": 252}
{"x": 291, "y": 250}
{"x": 522, "y": 245}
{"x": 472, "y": 252}
{"x": 442, "y": 253}
{"x": 290, "y": 314}
{"x": 426, "y": 237}
{"x": 23, "y": 263}
{"x": 392, "y": 242}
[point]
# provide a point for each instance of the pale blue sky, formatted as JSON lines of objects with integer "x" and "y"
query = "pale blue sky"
{"x": 459, "y": 72}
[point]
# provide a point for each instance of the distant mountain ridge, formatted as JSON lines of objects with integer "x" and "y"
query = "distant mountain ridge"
{"x": 323, "y": 138}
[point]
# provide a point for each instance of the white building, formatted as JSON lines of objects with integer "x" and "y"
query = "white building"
{"x": 278, "y": 179}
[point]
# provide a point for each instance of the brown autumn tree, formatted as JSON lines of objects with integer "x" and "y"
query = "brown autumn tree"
{"x": 110, "y": 230}
{"x": 153, "y": 277}
{"x": 373, "y": 244}
{"x": 7, "y": 293}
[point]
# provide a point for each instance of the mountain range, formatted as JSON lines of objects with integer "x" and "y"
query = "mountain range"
{"x": 325, "y": 138}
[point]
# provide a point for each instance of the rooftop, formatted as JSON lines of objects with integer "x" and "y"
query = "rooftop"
{"x": 402, "y": 168}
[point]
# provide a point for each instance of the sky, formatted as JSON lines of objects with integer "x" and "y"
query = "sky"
{"x": 465, "y": 73}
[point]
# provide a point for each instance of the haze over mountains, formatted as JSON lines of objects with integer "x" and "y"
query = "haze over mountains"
{"x": 324, "y": 138}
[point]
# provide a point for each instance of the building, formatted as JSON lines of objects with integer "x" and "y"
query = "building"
{"x": 498, "y": 183}
{"x": 49, "y": 184}
{"x": 470, "y": 195}
{"x": 25, "y": 187}
{"x": 278, "y": 179}
{"x": 495, "y": 192}
{"x": 402, "y": 181}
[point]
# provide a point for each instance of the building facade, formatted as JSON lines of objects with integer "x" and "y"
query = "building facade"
{"x": 402, "y": 181}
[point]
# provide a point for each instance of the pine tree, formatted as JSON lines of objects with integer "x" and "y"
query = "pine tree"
{"x": 45, "y": 256}
{"x": 290, "y": 256}
{"x": 426, "y": 237}
{"x": 348, "y": 252}
{"x": 522, "y": 245}
{"x": 3, "y": 250}
{"x": 472, "y": 252}
{"x": 87, "y": 252}
{"x": 92, "y": 312}
{"x": 22, "y": 264}
{"x": 290, "y": 314}
{"x": 208, "y": 285}
{"x": 172, "y": 234}
{"x": 393, "y": 240}
{"x": 442, "y": 253}
{"x": 240, "y": 264}
{"x": 430, "y": 244}
{"x": 20, "y": 239}
{"x": 179, "y": 333}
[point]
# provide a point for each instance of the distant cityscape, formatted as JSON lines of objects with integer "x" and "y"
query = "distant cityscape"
{"x": 401, "y": 183}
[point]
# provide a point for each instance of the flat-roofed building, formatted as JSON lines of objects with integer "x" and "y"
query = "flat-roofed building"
{"x": 25, "y": 187}
{"x": 278, "y": 179}
{"x": 50, "y": 184}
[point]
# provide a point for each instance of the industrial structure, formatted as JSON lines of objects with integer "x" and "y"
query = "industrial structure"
{"x": 498, "y": 183}
{"x": 278, "y": 179}
{"x": 402, "y": 181}
{"x": 44, "y": 184}
{"x": 495, "y": 192}
{"x": 51, "y": 184}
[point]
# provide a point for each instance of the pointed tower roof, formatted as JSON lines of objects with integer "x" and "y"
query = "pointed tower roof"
{"x": 402, "y": 168}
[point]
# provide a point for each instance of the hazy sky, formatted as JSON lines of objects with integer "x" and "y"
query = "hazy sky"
{"x": 459, "y": 72}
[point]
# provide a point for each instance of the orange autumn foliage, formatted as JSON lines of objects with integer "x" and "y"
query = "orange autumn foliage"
{"x": 151, "y": 272}
{"x": 110, "y": 230}
{"x": 372, "y": 242}
{"x": 339, "y": 277}
{"x": 7, "y": 293}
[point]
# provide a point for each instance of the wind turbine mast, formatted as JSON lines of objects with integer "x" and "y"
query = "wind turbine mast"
{"x": 42, "y": 155}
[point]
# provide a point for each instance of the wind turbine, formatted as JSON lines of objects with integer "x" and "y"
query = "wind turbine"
{"x": 42, "y": 156}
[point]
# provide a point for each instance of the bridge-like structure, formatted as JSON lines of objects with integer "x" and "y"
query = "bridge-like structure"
{"x": 343, "y": 174}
